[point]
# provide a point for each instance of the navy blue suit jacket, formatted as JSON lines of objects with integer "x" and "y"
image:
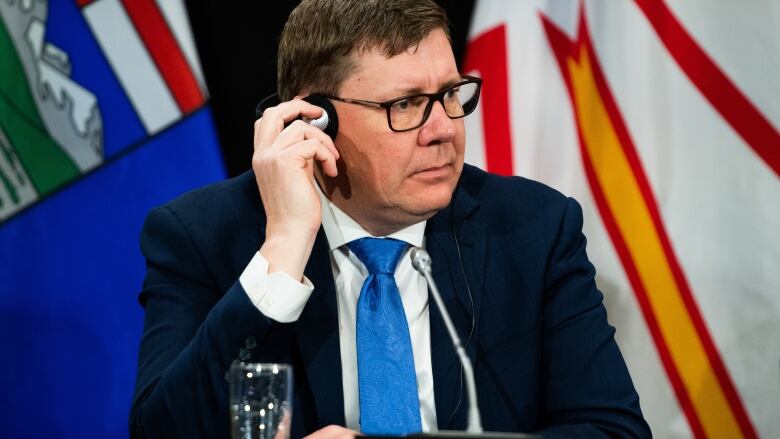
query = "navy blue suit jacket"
{"x": 544, "y": 355}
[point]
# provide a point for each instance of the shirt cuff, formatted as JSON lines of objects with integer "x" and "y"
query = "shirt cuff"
{"x": 277, "y": 295}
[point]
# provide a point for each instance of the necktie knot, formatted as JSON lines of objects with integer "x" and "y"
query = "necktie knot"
{"x": 379, "y": 255}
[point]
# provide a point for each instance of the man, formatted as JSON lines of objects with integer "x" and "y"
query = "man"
{"x": 508, "y": 254}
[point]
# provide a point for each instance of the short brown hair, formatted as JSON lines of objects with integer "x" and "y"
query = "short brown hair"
{"x": 321, "y": 36}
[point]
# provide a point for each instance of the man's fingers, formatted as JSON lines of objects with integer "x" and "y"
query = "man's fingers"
{"x": 333, "y": 432}
{"x": 297, "y": 132}
{"x": 274, "y": 118}
{"x": 300, "y": 130}
{"x": 314, "y": 149}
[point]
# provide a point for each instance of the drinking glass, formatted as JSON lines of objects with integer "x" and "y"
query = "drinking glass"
{"x": 260, "y": 400}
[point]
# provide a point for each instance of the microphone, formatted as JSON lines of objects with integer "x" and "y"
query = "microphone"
{"x": 421, "y": 261}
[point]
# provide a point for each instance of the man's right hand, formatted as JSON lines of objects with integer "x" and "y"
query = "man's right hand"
{"x": 283, "y": 162}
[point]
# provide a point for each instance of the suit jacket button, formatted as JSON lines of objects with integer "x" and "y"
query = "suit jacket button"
{"x": 244, "y": 354}
{"x": 250, "y": 342}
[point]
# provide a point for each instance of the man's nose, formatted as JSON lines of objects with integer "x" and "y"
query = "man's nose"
{"x": 439, "y": 128}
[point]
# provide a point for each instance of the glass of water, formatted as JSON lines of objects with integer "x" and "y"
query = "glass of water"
{"x": 260, "y": 400}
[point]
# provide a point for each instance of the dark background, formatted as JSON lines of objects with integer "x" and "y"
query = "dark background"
{"x": 237, "y": 44}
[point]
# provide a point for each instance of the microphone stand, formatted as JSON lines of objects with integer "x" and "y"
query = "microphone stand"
{"x": 421, "y": 261}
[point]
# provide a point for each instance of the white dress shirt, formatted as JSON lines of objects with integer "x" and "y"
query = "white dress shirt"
{"x": 282, "y": 298}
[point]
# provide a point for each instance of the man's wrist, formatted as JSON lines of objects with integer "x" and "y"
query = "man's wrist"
{"x": 288, "y": 253}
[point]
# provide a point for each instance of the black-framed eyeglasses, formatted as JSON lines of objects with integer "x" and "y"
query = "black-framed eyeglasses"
{"x": 409, "y": 112}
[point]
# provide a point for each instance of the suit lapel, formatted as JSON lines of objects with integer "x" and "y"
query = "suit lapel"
{"x": 449, "y": 391}
{"x": 318, "y": 337}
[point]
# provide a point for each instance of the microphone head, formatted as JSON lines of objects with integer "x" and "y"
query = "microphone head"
{"x": 421, "y": 260}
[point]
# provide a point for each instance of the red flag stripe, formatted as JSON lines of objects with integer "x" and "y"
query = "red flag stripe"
{"x": 166, "y": 53}
{"x": 713, "y": 83}
{"x": 488, "y": 55}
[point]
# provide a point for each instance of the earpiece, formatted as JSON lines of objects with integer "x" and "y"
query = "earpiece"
{"x": 328, "y": 122}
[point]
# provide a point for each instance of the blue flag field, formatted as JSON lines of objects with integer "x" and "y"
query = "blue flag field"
{"x": 103, "y": 115}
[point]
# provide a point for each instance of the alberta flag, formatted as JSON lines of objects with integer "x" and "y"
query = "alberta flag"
{"x": 103, "y": 115}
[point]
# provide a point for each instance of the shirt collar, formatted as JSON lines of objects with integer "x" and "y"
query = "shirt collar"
{"x": 341, "y": 229}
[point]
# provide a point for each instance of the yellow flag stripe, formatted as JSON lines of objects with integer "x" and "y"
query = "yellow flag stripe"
{"x": 628, "y": 207}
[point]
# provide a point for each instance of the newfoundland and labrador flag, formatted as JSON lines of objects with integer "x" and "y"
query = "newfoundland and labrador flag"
{"x": 661, "y": 118}
{"x": 103, "y": 114}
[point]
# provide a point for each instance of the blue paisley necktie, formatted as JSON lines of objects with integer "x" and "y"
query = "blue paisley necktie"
{"x": 386, "y": 376}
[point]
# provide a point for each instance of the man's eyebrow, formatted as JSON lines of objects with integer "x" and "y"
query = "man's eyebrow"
{"x": 418, "y": 90}
{"x": 451, "y": 82}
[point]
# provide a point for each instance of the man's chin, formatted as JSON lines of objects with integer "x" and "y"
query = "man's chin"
{"x": 426, "y": 205}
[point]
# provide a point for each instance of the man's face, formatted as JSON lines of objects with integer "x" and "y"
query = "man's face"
{"x": 389, "y": 180}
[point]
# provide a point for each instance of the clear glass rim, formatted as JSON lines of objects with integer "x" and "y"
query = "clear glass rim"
{"x": 261, "y": 367}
